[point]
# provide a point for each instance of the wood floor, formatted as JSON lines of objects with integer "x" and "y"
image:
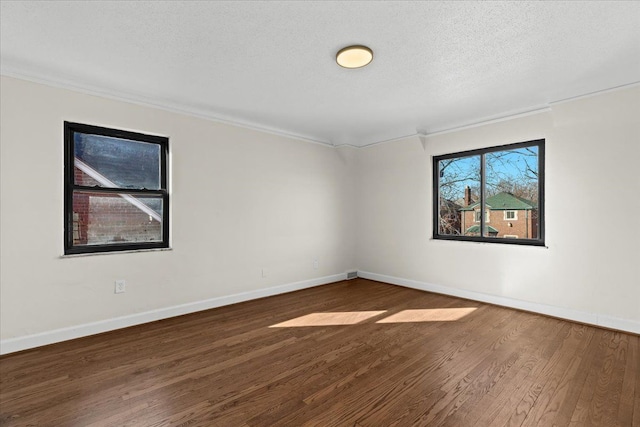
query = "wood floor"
{"x": 406, "y": 362}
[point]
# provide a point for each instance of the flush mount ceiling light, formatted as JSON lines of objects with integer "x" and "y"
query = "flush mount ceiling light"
{"x": 354, "y": 56}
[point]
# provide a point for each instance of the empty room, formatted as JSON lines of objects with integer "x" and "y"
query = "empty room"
{"x": 319, "y": 213}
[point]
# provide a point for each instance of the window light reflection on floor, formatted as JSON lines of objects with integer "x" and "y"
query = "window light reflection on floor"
{"x": 329, "y": 319}
{"x": 428, "y": 315}
{"x": 354, "y": 317}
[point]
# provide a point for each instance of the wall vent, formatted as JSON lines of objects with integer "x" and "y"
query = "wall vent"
{"x": 352, "y": 275}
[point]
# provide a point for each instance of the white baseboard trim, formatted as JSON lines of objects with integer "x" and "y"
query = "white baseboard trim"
{"x": 12, "y": 345}
{"x": 626, "y": 325}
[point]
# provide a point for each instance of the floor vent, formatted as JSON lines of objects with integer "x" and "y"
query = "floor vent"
{"x": 352, "y": 275}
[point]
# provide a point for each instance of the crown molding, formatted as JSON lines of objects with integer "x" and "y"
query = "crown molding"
{"x": 399, "y": 138}
{"x": 596, "y": 93}
{"x": 69, "y": 84}
{"x": 137, "y": 99}
{"x": 487, "y": 121}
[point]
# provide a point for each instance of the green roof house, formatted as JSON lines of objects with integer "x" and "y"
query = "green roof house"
{"x": 506, "y": 215}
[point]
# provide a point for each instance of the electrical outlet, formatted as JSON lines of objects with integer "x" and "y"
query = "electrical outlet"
{"x": 121, "y": 286}
{"x": 315, "y": 264}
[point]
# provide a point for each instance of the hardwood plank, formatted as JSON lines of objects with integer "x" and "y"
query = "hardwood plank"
{"x": 229, "y": 367}
{"x": 499, "y": 408}
{"x": 636, "y": 403}
{"x": 561, "y": 384}
{"x": 625, "y": 408}
{"x": 436, "y": 351}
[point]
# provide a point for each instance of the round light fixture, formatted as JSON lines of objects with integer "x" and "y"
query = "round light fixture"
{"x": 354, "y": 56}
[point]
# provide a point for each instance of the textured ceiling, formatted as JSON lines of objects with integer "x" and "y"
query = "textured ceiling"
{"x": 437, "y": 65}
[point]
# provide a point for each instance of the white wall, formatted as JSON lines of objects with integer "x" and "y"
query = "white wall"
{"x": 244, "y": 200}
{"x": 241, "y": 201}
{"x": 590, "y": 270}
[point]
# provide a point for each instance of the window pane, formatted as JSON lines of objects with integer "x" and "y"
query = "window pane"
{"x": 512, "y": 186}
{"x": 100, "y": 218}
{"x": 115, "y": 162}
{"x": 459, "y": 194}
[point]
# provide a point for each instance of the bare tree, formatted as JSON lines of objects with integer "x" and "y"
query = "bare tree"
{"x": 513, "y": 171}
{"x": 455, "y": 175}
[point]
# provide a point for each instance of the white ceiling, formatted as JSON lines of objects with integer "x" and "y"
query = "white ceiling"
{"x": 271, "y": 65}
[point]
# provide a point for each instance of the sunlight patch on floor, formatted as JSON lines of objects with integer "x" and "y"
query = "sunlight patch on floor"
{"x": 428, "y": 315}
{"x": 329, "y": 319}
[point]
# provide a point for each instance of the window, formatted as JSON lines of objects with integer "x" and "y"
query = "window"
{"x": 478, "y": 217}
{"x": 513, "y": 215}
{"x": 116, "y": 194}
{"x": 505, "y": 180}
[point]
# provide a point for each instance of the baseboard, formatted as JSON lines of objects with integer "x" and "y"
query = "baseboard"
{"x": 625, "y": 325}
{"x": 58, "y": 335}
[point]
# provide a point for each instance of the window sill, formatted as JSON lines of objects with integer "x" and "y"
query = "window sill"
{"x": 508, "y": 242}
{"x": 134, "y": 251}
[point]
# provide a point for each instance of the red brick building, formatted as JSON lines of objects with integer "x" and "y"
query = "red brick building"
{"x": 506, "y": 215}
{"x": 116, "y": 218}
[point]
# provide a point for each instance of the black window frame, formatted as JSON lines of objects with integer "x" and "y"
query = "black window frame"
{"x": 70, "y": 129}
{"x": 540, "y": 241}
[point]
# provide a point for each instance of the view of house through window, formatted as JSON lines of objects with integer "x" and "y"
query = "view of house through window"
{"x": 490, "y": 194}
{"x": 115, "y": 190}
